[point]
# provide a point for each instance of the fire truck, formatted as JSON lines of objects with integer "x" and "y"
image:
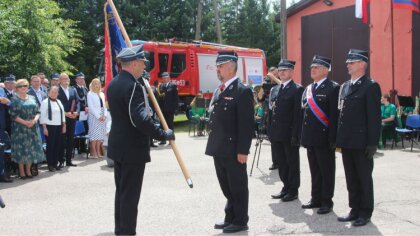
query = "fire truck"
{"x": 192, "y": 65}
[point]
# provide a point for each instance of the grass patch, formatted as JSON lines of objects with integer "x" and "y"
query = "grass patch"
{"x": 181, "y": 123}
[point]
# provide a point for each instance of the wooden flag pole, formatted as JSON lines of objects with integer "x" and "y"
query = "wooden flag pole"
{"x": 175, "y": 149}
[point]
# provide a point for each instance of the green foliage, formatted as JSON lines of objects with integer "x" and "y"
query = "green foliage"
{"x": 33, "y": 38}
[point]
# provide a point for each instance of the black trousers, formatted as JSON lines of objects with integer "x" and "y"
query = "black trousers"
{"x": 169, "y": 117}
{"x": 233, "y": 180}
{"x": 67, "y": 143}
{"x": 358, "y": 169}
{"x": 128, "y": 181}
{"x": 287, "y": 157}
{"x": 322, "y": 166}
{"x": 53, "y": 144}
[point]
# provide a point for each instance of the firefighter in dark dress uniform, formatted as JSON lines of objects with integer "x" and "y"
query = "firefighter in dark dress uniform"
{"x": 359, "y": 127}
{"x": 168, "y": 100}
{"x": 319, "y": 129}
{"x": 285, "y": 127}
{"x": 231, "y": 129}
{"x": 81, "y": 92}
{"x": 9, "y": 83}
{"x": 128, "y": 143}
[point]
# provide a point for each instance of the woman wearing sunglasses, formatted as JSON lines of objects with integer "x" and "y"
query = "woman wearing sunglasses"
{"x": 26, "y": 140}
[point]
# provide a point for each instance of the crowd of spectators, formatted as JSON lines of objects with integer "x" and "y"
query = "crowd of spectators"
{"x": 39, "y": 117}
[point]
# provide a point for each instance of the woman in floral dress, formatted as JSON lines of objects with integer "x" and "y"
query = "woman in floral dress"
{"x": 26, "y": 140}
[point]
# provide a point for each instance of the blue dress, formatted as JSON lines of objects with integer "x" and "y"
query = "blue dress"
{"x": 25, "y": 142}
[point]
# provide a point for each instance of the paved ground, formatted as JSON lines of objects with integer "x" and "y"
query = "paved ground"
{"x": 79, "y": 200}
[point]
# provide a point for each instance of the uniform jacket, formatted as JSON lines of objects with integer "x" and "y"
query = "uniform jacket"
{"x": 314, "y": 133}
{"x": 231, "y": 121}
{"x": 81, "y": 95}
{"x": 168, "y": 99}
{"x": 3, "y": 110}
{"x": 286, "y": 115}
{"x": 132, "y": 125}
{"x": 9, "y": 95}
{"x": 31, "y": 91}
{"x": 71, "y": 103}
{"x": 359, "y": 122}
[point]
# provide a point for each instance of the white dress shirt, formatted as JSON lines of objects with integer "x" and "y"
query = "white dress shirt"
{"x": 66, "y": 91}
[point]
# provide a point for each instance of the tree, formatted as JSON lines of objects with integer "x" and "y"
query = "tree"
{"x": 33, "y": 38}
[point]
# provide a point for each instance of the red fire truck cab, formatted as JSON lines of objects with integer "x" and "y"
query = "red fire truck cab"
{"x": 192, "y": 66}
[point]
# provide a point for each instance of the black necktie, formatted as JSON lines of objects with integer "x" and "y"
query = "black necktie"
{"x": 280, "y": 90}
{"x": 100, "y": 100}
{"x": 314, "y": 86}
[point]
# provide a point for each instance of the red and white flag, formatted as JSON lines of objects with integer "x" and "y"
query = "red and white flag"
{"x": 362, "y": 10}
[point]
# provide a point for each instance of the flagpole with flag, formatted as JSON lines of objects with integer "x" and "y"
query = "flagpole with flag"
{"x": 151, "y": 95}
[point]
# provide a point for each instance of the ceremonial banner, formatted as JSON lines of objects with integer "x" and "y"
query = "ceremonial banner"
{"x": 114, "y": 42}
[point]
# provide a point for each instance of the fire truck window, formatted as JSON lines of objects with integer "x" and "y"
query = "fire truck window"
{"x": 178, "y": 64}
{"x": 163, "y": 63}
{"x": 151, "y": 58}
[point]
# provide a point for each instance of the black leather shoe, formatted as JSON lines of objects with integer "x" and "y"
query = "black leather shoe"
{"x": 235, "y": 228}
{"x": 349, "y": 217}
{"x": 279, "y": 196}
{"x": 162, "y": 143}
{"x": 70, "y": 164}
{"x": 361, "y": 221}
{"x": 324, "y": 210}
{"x": 61, "y": 165}
{"x": 273, "y": 167}
{"x": 221, "y": 225}
{"x": 51, "y": 169}
{"x": 153, "y": 145}
{"x": 311, "y": 205}
{"x": 289, "y": 197}
{"x": 5, "y": 179}
{"x": 57, "y": 168}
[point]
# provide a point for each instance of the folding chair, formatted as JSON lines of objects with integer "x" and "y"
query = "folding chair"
{"x": 80, "y": 136}
{"x": 412, "y": 127}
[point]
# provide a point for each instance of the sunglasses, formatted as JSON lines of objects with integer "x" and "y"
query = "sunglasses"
{"x": 22, "y": 86}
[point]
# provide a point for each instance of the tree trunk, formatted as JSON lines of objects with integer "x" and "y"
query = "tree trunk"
{"x": 199, "y": 19}
{"x": 218, "y": 28}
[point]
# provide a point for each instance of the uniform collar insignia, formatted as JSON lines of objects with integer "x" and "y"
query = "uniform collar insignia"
{"x": 230, "y": 86}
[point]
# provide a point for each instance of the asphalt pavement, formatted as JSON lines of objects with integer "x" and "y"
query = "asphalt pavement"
{"x": 79, "y": 200}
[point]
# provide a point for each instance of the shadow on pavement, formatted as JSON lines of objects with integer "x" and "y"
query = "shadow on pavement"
{"x": 43, "y": 172}
{"x": 292, "y": 213}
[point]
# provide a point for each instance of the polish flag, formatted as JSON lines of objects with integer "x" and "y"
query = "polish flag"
{"x": 362, "y": 10}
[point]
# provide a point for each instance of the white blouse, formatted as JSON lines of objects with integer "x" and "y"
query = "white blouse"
{"x": 55, "y": 112}
{"x": 94, "y": 104}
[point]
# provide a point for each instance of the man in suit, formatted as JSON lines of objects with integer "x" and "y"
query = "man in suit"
{"x": 4, "y": 102}
{"x": 81, "y": 92}
{"x": 68, "y": 97}
{"x": 319, "y": 129}
{"x": 36, "y": 90}
{"x": 358, "y": 133}
{"x": 9, "y": 89}
{"x": 128, "y": 143}
{"x": 285, "y": 126}
{"x": 231, "y": 129}
{"x": 44, "y": 82}
{"x": 168, "y": 99}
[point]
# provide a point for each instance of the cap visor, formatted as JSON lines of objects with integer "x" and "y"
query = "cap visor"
{"x": 353, "y": 60}
{"x": 222, "y": 62}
